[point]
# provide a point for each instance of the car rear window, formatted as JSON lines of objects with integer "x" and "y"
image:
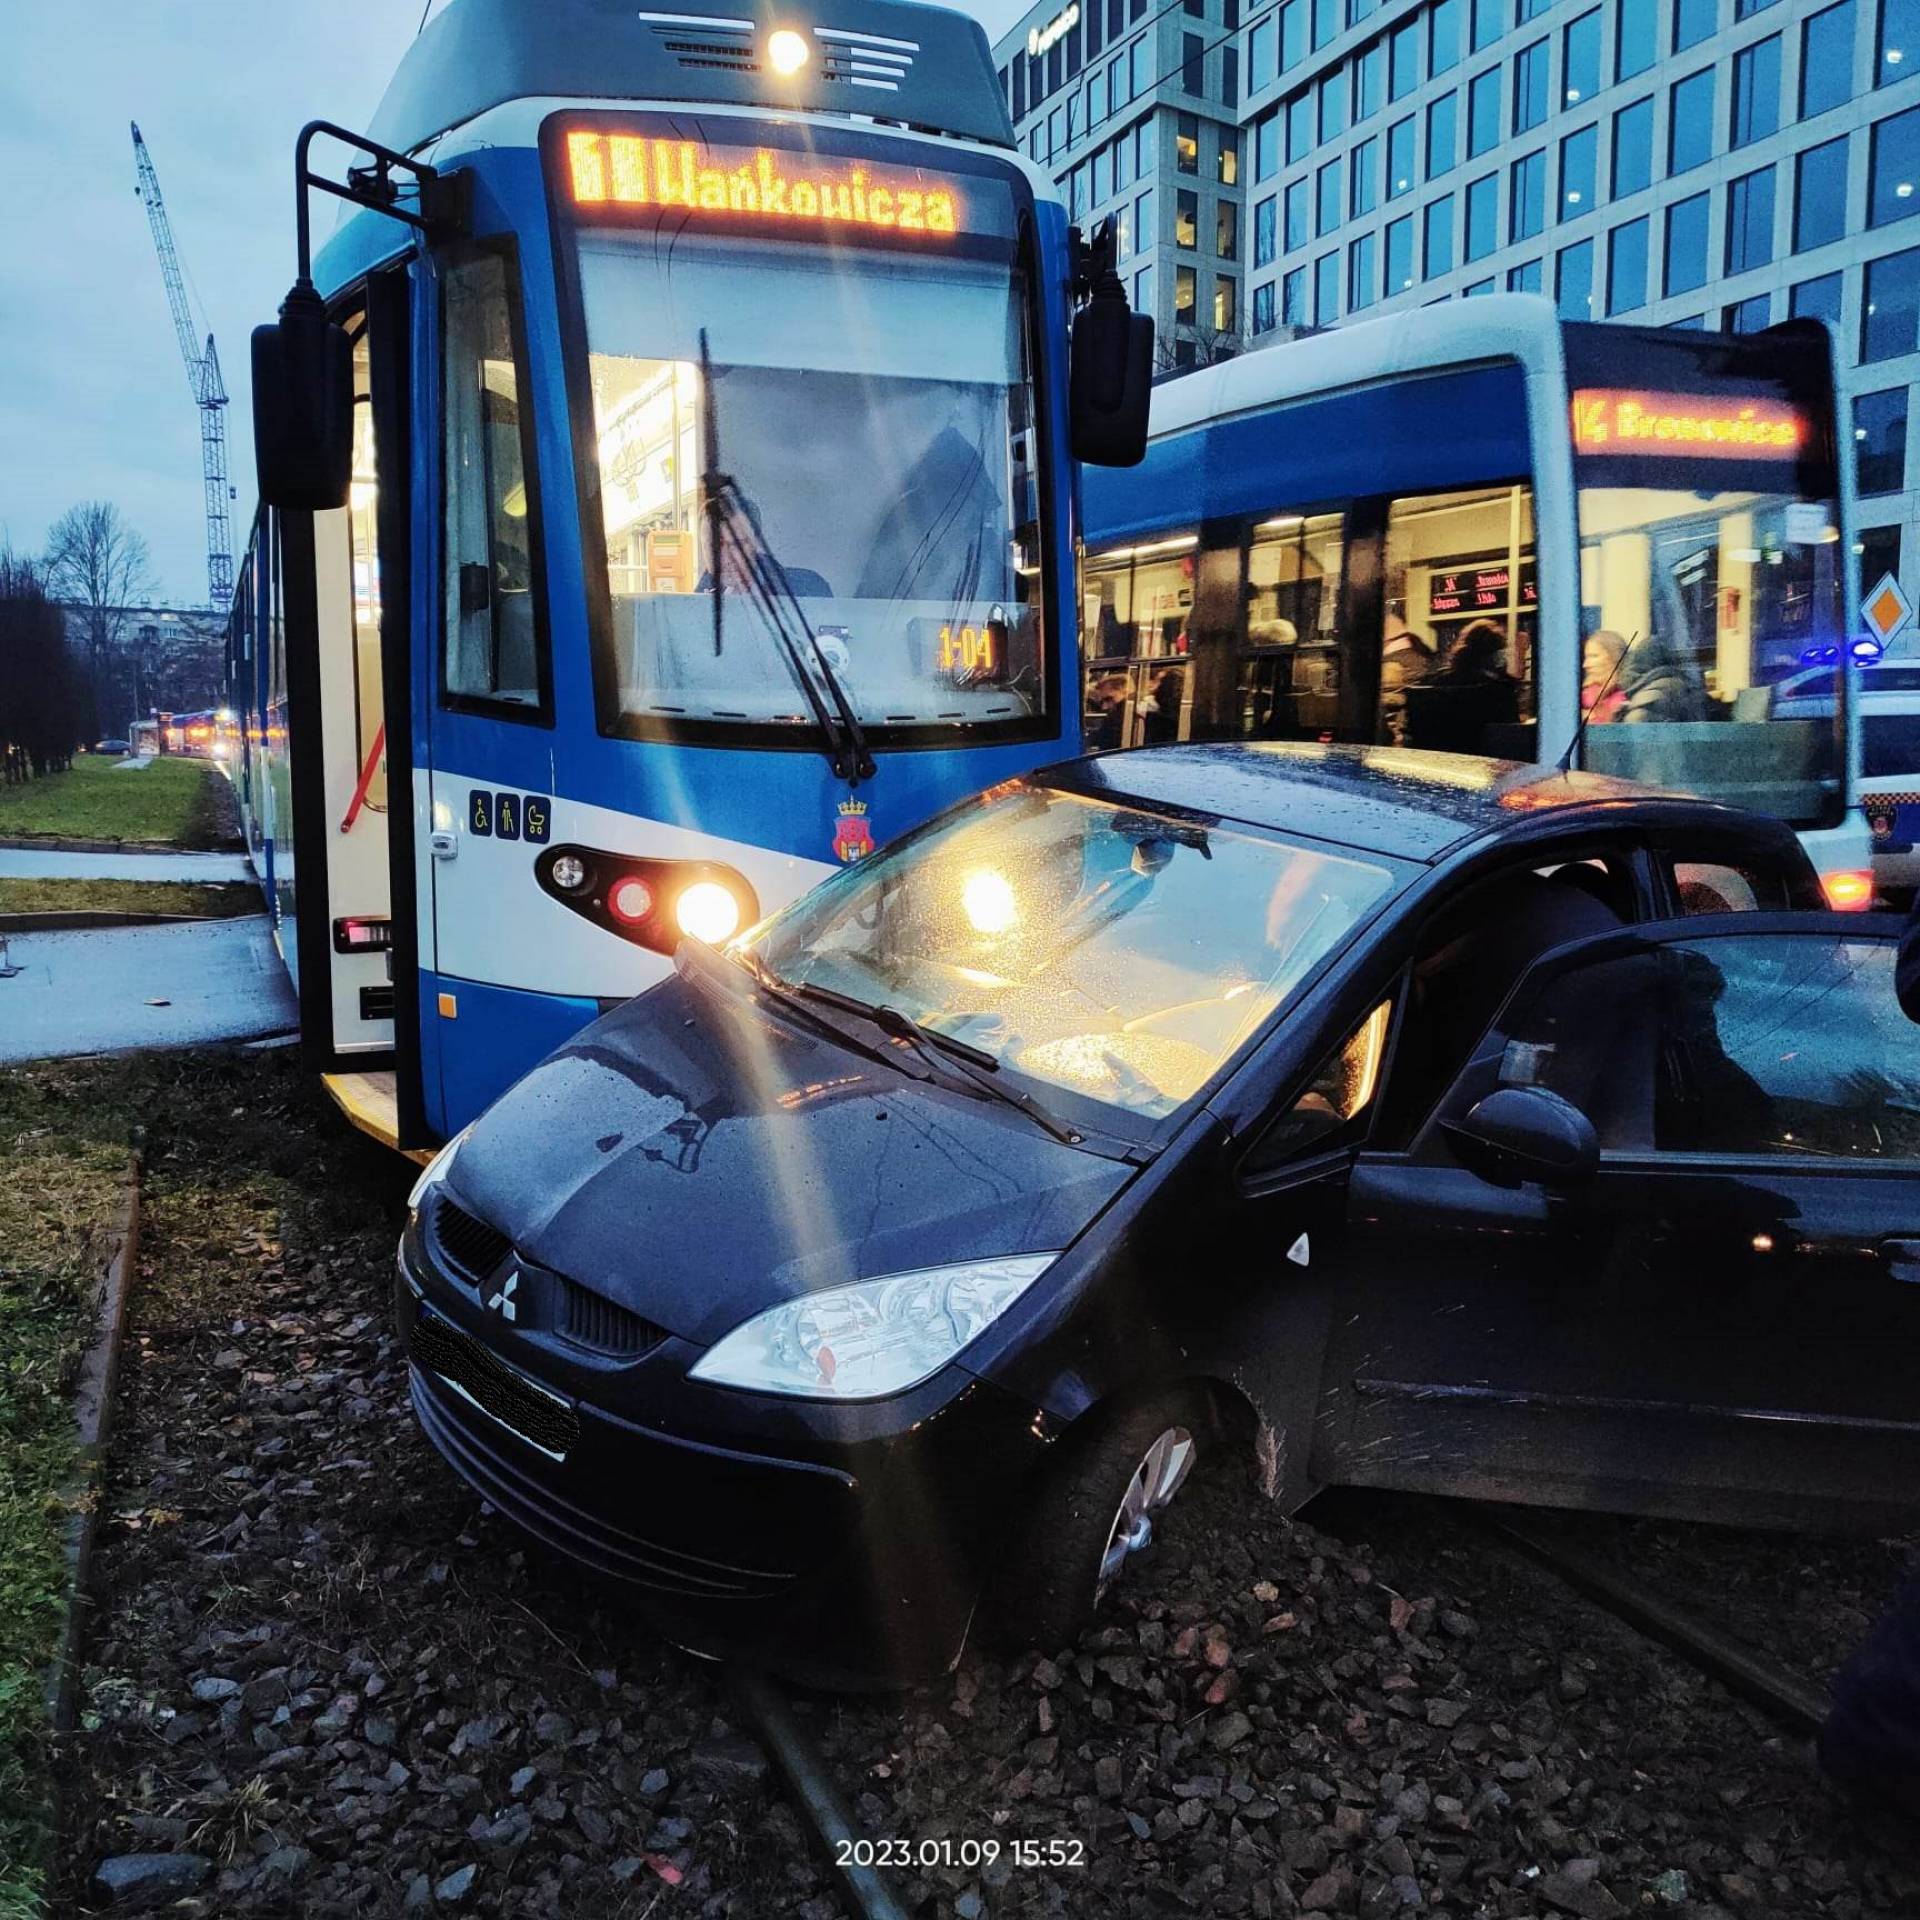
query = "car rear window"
{"x": 1890, "y": 745}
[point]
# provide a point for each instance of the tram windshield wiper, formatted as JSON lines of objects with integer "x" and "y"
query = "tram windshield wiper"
{"x": 732, "y": 527}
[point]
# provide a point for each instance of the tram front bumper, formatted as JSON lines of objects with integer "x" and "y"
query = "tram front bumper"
{"x": 858, "y": 1566}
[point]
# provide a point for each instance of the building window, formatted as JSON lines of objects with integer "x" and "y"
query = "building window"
{"x": 1527, "y": 197}
{"x": 1326, "y": 290}
{"x": 1878, "y": 551}
{"x": 1489, "y": 22}
{"x": 1580, "y": 59}
{"x": 1893, "y": 169}
{"x": 1750, "y": 221}
{"x": 1363, "y": 276}
{"x": 1525, "y": 10}
{"x": 1693, "y": 21}
{"x": 1632, "y": 148}
{"x": 1443, "y": 37}
{"x": 1746, "y": 9}
{"x": 1443, "y": 134}
{"x": 1826, "y": 60}
{"x": 1880, "y": 441}
{"x": 1369, "y": 71}
{"x": 1143, "y": 290}
{"x": 1690, "y": 122}
{"x": 1185, "y": 293}
{"x": 1332, "y": 108}
{"x": 1293, "y": 299}
{"x": 1226, "y": 229}
{"x": 1326, "y": 21}
{"x": 1102, "y": 173}
{"x": 1573, "y": 281}
{"x": 1263, "y": 308}
{"x": 1898, "y": 40}
{"x": 1193, "y": 65}
{"x": 1262, "y": 69}
{"x": 1230, "y": 76}
{"x": 1293, "y": 34}
{"x": 1403, "y": 60}
{"x": 1123, "y": 233}
{"x": 1525, "y": 278}
{"x": 1635, "y": 40}
{"x": 1684, "y": 264}
{"x": 1437, "y": 239}
{"x": 1296, "y": 217}
{"x": 1483, "y": 113}
{"x": 1186, "y": 142}
{"x": 1748, "y": 316}
{"x": 1399, "y": 255}
{"x": 1326, "y": 198}
{"x": 1226, "y": 166}
{"x": 1578, "y": 157}
{"x": 1820, "y": 195}
{"x": 1265, "y": 232}
{"x": 1144, "y": 229}
{"x": 1530, "y": 86}
{"x": 1226, "y": 303}
{"x": 1186, "y": 216}
{"x": 1363, "y": 169}
{"x": 1891, "y": 306}
{"x": 1475, "y": 288}
{"x": 1483, "y": 217}
{"x": 1817, "y": 299}
{"x": 1627, "y": 267}
{"x": 1756, "y": 92}
{"x": 1299, "y": 127}
{"x": 1266, "y": 147}
{"x": 1400, "y": 158}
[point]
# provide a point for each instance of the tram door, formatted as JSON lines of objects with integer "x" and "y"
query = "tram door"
{"x": 345, "y": 610}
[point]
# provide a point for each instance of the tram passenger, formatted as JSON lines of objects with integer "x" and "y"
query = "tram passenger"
{"x": 1406, "y": 660}
{"x": 1602, "y": 698}
{"x": 1659, "y": 684}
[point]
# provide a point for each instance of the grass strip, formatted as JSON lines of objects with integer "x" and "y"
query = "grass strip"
{"x": 166, "y": 803}
{"x": 129, "y": 896}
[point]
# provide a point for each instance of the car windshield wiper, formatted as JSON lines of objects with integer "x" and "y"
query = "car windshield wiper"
{"x": 971, "y": 1064}
{"x": 730, "y": 524}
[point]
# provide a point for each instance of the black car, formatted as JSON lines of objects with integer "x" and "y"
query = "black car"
{"x": 1402, "y": 1119}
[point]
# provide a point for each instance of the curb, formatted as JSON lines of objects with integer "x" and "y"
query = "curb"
{"x": 160, "y": 849}
{"x": 93, "y": 1416}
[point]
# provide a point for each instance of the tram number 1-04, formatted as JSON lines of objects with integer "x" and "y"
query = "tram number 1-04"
{"x": 509, "y": 816}
{"x": 969, "y": 652}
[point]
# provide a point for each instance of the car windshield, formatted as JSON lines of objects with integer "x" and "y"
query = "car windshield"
{"x": 871, "y": 410}
{"x": 1105, "y": 949}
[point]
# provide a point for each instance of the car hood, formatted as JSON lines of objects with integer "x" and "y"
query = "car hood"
{"x": 697, "y": 1159}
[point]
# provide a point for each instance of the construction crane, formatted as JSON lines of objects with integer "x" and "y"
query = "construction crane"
{"x": 203, "y": 377}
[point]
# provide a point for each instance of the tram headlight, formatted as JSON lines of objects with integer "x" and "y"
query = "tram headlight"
{"x": 708, "y": 911}
{"x": 569, "y": 873}
{"x": 787, "y": 51}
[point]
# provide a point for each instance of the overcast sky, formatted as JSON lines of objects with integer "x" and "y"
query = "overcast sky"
{"x": 93, "y": 395}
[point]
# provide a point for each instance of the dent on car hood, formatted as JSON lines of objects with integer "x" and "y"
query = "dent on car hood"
{"x": 699, "y": 1160}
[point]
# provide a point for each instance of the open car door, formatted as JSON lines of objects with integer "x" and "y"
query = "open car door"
{"x": 1657, "y": 1249}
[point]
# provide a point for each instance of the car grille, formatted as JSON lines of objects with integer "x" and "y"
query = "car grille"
{"x": 471, "y": 1247}
{"x": 589, "y": 1320}
{"x": 537, "y": 1416}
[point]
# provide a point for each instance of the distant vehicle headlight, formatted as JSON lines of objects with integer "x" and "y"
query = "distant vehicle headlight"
{"x": 436, "y": 1169}
{"x": 872, "y": 1338}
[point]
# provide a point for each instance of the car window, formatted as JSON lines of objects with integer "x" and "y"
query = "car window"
{"x": 1712, "y": 886}
{"x": 1776, "y": 1046}
{"x": 1331, "y": 1103}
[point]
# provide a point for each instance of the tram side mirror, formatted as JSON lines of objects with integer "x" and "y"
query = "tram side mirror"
{"x": 303, "y": 408}
{"x": 1525, "y": 1133}
{"x": 1110, "y": 382}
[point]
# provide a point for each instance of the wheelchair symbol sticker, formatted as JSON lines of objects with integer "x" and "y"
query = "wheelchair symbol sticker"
{"x": 480, "y": 811}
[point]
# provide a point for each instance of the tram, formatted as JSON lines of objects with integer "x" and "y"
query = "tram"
{"x": 668, "y": 473}
{"x": 1477, "y": 528}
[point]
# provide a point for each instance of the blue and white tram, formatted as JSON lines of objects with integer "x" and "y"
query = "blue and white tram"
{"x": 710, "y": 516}
{"x": 1470, "y": 526}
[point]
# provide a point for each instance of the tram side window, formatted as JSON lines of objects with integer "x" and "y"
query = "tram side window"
{"x": 1457, "y": 656}
{"x": 369, "y": 696}
{"x": 1287, "y": 683}
{"x": 1137, "y": 607}
{"x": 492, "y": 652}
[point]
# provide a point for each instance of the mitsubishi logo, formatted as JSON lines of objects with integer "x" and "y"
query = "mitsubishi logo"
{"x": 502, "y": 1302}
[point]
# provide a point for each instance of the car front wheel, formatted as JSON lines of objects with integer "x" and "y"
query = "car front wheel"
{"x": 1096, "y": 1509}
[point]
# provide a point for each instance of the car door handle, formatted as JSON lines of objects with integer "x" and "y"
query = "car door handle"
{"x": 1903, "y": 1256}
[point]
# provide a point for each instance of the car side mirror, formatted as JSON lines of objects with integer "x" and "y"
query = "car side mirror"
{"x": 1518, "y": 1134}
{"x": 1110, "y": 379}
{"x": 303, "y": 407}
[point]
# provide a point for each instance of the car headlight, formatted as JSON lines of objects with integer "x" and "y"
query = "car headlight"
{"x": 872, "y": 1338}
{"x": 436, "y": 1169}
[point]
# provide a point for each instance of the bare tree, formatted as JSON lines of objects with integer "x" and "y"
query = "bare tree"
{"x": 43, "y": 692}
{"x": 1209, "y": 344}
{"x": 98, "y": 565}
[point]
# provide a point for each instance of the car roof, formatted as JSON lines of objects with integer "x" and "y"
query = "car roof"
{"x": 1399, "y": 801}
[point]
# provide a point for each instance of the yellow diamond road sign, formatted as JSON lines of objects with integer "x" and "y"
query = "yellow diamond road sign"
{"x": 1886, "y": 608}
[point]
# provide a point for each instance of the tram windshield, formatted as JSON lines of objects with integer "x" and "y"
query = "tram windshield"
{"x": 872, "y": 412}
{"x": 1711, "y": 588}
